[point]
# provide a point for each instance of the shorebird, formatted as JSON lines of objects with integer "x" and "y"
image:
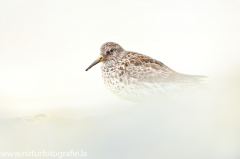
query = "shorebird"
{"x": 134, "y": 76}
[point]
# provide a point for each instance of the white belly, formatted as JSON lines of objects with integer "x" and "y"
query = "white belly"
{"x": 129, "y": 88}
{"x": 133, "y": 90}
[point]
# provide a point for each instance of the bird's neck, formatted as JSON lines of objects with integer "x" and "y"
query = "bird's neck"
{"x": 122, "y": 54}
{"x": 113, "y": 62}
{"x": 110, "y": 64}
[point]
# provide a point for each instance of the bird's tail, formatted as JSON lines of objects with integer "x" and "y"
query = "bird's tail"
{"x": 192, "y": 78}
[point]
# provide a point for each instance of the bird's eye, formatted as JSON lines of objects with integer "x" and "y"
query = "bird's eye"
{"x": 108, "y": 52}
{"x": 111, "y": 50}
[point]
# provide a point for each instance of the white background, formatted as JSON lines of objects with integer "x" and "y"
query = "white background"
{"x": 45, "y": 47}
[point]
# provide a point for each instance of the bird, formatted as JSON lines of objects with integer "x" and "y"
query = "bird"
{"x": 135, "y": 77}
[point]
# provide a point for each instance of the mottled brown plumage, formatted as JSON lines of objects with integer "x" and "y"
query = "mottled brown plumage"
{"x": 132, "y": 75}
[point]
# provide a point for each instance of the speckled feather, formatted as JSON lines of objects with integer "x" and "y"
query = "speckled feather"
{"x": 133, "y": 75}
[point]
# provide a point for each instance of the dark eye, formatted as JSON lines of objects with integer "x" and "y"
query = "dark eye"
{"x": 111, "y": 50}
{"x": 108, "y": 52}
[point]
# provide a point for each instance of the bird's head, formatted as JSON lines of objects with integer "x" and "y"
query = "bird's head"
{"x": 108, "y": 51}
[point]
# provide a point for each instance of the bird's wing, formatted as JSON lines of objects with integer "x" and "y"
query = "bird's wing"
{"x": 147, "y": 69}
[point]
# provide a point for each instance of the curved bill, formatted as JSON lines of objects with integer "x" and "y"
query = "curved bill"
{"x": 99, "y": 59}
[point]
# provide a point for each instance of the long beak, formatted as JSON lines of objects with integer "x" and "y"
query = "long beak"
{"x": 99, "y": 59}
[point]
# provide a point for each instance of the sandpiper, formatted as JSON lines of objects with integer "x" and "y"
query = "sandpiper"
{"x": 134, "y": 76}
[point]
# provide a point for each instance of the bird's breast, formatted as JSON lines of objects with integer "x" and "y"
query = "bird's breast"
{"x": 112, "y": 77}
{"x": 118, "y": 81}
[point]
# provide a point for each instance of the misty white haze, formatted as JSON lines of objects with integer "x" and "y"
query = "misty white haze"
{"x": 45, "y": 47}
